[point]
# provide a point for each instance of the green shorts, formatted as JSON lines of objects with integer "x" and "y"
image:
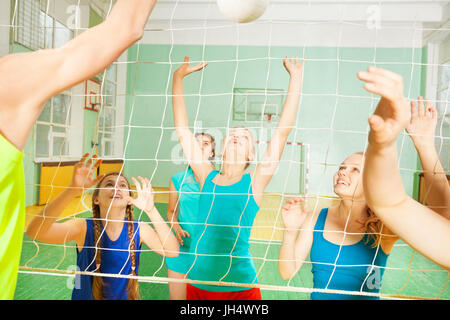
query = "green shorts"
{"x": 12, "y": 216}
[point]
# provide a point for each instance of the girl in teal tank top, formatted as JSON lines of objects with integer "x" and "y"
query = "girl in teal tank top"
{"x": 347, "y": 244}
{"x": 182, "y": 212}
{"x": 230, "y": 199}
{"x": 221, "y": 245}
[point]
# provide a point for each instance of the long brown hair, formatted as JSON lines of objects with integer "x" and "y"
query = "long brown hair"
{"x": 97, "y": 282}
{"x": 374, "y": 226}
{"x": 372, "y": 223}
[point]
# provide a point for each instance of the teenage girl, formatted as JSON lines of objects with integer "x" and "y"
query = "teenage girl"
{"x": 347, "y": 244}
{"x": 184, "y": 195}
{"x": 110, "y": 241}
{"x": 230, "y": 198}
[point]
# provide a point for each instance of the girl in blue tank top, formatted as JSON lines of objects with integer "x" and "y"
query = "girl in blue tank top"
{"x": 110, "y": 242}
{"x": 347, "y": 244}
{"x": 182, "y": 211}
{"x": 230, "y": 199}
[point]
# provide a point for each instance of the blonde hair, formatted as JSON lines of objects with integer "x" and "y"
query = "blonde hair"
{"x": 97, "y": 282}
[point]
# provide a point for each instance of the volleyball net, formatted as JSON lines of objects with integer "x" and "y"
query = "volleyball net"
{"x": 125, "y": 116}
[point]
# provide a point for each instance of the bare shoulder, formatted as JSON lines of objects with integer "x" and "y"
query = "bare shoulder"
{"x": 79, "y": 228}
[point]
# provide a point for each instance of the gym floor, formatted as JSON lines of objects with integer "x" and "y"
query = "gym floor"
{"x": 408, "y": 273}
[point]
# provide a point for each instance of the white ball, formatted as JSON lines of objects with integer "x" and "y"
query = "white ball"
{"x": 242, "y": 10}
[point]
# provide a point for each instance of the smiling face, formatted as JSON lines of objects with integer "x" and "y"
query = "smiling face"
{"x": 348, "y": 179}
{"x": 112, "y": 192}
{"x": 239, "y": 146}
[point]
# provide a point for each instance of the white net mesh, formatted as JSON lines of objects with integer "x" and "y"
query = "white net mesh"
{"x": 244, "y": 85}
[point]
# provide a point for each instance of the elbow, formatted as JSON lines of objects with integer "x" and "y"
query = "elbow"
{"x": 30, "y": 233}
{"x": 126, "y": 33}
{"x": 285, "y": 275}
{"x": 171, "y": 253}
{"x": 131, "y": 37}
{"x": 136, "y": 34}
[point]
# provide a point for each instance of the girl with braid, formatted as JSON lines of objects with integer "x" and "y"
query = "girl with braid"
{"x": 110, "y": 242}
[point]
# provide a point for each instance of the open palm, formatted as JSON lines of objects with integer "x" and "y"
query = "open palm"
{"x": 294, "y": 213}
{"x": 186, "y": 68}
{"x": 82, "y": 177}
{"x": 423, "y": 123}
{"x": 145, "y": 195}
{"x": 293, "y": 67}
{"x": 392, "y": 114}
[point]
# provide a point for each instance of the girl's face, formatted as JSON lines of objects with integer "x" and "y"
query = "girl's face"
{"x": 238, "y": 146}
{"x": 206, "y": 144}
{"x": 113, "y": 192}
{"x": 348, "y": 179}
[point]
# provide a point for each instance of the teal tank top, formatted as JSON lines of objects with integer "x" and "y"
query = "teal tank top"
{"x": 221, "y": 243}
{"x": 188, "y": 201}
{"x": 358, "y": 268}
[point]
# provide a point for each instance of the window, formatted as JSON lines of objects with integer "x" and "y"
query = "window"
{"x": 107, "y": 124}
{"x": 35, "y": 29}
{"x": 52, "y": 129}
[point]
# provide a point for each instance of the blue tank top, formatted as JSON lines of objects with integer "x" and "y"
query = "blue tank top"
{"x": 221, "y": 244}
{"x": 112, "y": 262}
{"x": 358, "y": 268}
{"x": 188, "y": 200}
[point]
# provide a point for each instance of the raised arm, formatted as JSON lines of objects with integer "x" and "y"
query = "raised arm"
{"x": 269, "y": 163}
{"x": 28, "y": 80}
{"x": 420, "y": 227}
{"x": 189, "y": 144}
{"x": 159, "y": 238}
{"x": 421, "y": 130}
{"x": 297, "y": 238}
{"x": 44, "y": 228}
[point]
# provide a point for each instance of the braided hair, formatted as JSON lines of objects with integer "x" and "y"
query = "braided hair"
{"x": 97, "y": 283}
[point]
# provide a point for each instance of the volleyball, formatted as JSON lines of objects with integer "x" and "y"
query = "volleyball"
{"x": 242, "y": 11}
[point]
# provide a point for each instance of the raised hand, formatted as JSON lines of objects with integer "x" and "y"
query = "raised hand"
{"x": 82, "y": 177}
{"x": 186, "y": 68}
{"x": 392, "y": 114}
{"x": 423, "y": 123}
{"x": 145, "y": 195}
{"x": 293, "y": 67}
{"x": 294, "y": 213}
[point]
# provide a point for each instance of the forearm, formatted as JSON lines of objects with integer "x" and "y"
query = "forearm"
{"x": 437, "y": 190}
{"x": 168, "y": 240}
{"x": 420, "y": 227}
{"x": 91, "y": 52}
{"x": 289, "y": 113}
{"x": 383, "y": 186}
{"x": 180, "y": 116}
{"x": 286, "y": 261}
{"x": 45, "y": 218}
{"x": 172, "y": 216}
{"x": 275, "y": 148}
